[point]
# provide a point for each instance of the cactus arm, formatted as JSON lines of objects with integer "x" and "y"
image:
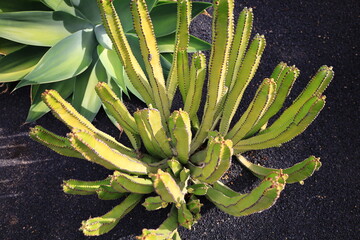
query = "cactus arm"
{"x": 183, "y": 72}
{"x": 315, "y": 87}
{"x": 150, "y": 52}
{"x": 175, "y": 166}
{"x": 180, "y": 130}
{"x": 259, "y": 199}
{"x": 108, "y": 193}
{"x": 239, "y": 44}
{"x": 123, "y": 182}
{"x": 317, "y": 84}
{"x": 66, "y": 113}
{"x": 227, "y": 191}
{"x": 179, "y": 70}
{"x": 116, "y": 107}
{"x": 245, "y": 74}
{"x": 58, "y": 144}
{"x": 259, "y": 105}
{"x": 101, "y": 188}
{"x": 221, "y": 40}
{"x": 185, "y": 217}
{"x": 116, "y": 33}
{"x": 199, "y": 189}
{"x": 166, "y": 231}
{"x": 146, "y": 134}
{"x": 134, "y": 139}
{"x": 100, "y": 225}
{"x": 197, "y": 76}
{"x": 297, "y": 173}
{"x": 216, "y": 163}
{"x": 152, "y": 132}
{"x": 287, "y": 130}
{"x": 78, "y": 187}
{"x": 284, "y": 77}
{"x": 154, "y": 203}
{"x": 167, "y": 188}
{"x": 99, "y": 152}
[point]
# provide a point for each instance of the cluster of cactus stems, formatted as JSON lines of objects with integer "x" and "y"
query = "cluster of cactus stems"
{"x": 175, "y": 157}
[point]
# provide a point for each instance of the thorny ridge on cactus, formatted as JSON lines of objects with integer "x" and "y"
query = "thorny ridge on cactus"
{"x": 175, "y": 157}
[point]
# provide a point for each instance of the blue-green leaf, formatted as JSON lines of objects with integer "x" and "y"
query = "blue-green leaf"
{"x": 7, "y": 46}
{"x": 16, "y": 65}
{"x": 38, "y": 108}
{"x": 88, "y": 9}
{"x": 164, "y": 16}
{"x": 113, "y": 66}
{"x": 20, "y": 5}
{"x": 67, "y": 59}
{"x": 39, "y": 28}
{"x": 60, "y": 5}
{"x": 166, "y": 44}
{"x": 85, "y": 99}
{"x": 102, "y": 37}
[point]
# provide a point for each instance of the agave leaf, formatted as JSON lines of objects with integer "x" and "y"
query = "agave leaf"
{"x": 164, "y": 16}
{"x": 131, "y": 87}
{"x": 56, "y": 25}
{"x": 87, "y": 9}
{"x": 113, "y": 66}
{"x": 62, "y": 61}
{"x": 38, "y": 108}
{"x": 16, "y": 65}
{"x": 60, "y": 5}
{"x": 85, "y": 99}
{"x": 166, "y": 44}
{"x": 7, "y": 46}
{"x": 21, "y": 5}
{"x": 102, "y": 37}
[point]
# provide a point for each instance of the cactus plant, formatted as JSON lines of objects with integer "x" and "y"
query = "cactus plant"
{"x": 176, "y": 158}
{"x": 62, "y": 45}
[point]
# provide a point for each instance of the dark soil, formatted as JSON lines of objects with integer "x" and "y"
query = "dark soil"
{"x": 305, "y": 33}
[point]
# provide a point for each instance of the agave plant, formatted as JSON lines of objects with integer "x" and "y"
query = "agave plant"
{"x": 62, "y": 45}
{"x": 175, "y": 158}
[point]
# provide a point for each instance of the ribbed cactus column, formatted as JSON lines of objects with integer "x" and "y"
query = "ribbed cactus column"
{"x": 174, "y": 157}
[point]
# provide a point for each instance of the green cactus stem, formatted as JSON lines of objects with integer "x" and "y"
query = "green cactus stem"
{"x": 175, "y": 157}
{"x": 297, "y": 173}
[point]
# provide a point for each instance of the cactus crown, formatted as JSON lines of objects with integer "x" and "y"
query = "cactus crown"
{"x": 184, "y": 157}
